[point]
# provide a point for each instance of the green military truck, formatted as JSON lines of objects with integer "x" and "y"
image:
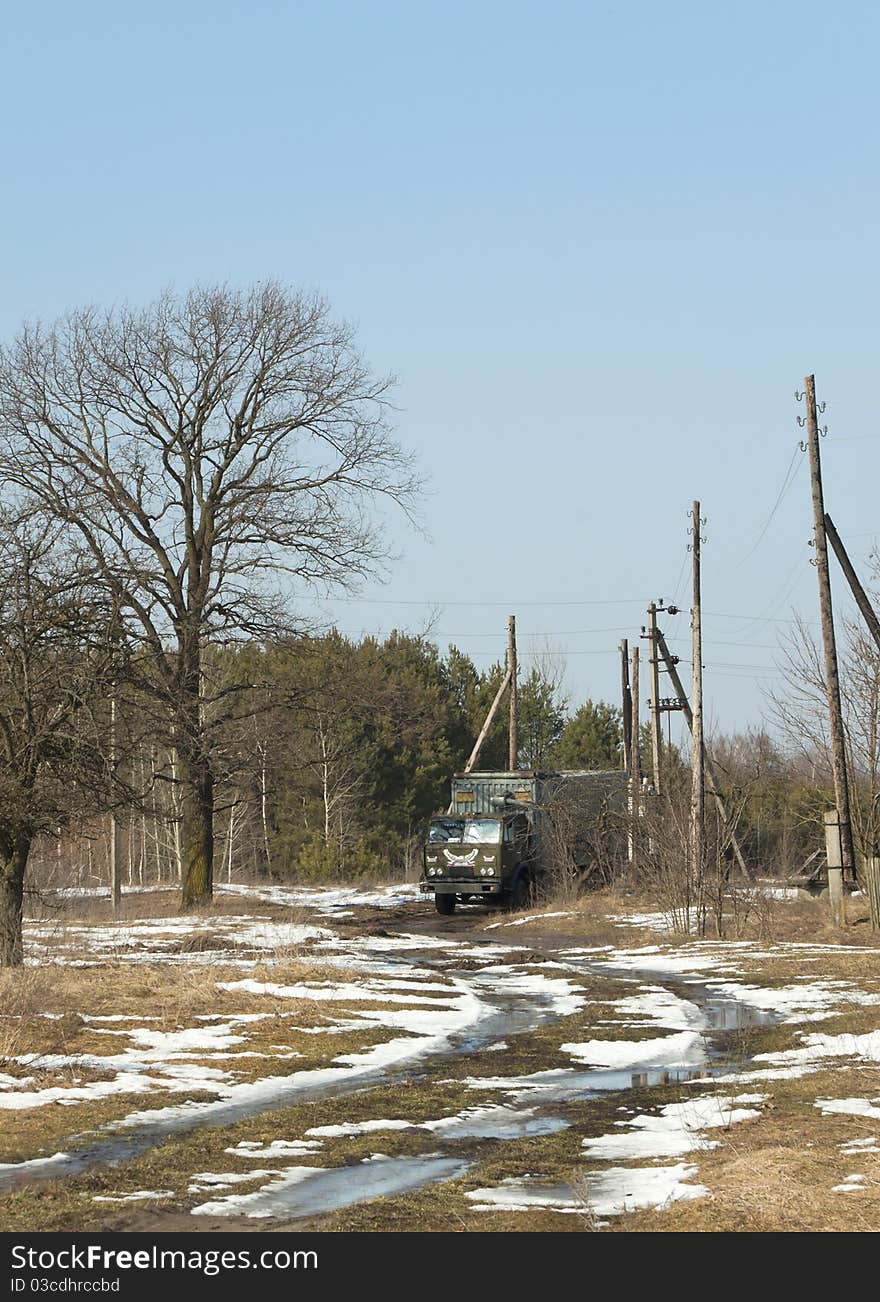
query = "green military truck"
{"x": 505, "y": 833}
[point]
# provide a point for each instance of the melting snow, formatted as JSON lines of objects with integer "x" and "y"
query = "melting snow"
{"x": 654, "y": 1005}
{"x": 863, "y": 1048}
{"x": 358, "y": 1128}
{"x": 207, "y": 1181}
{"x": 525, "y": 1195}
{"x": 623, "y": 1189}
{"x": 675, "y": 1130}
{"x": 854, "y": 1107}
{"x": 327, "y": 900}
{"x": 672, "y": 1051}
{"x": 650, "y": 921}
{"x": 609, "y": 1193}
{"x": 532, "y": 917}
{"x": 249, "y": 1148}
{"x": 868, "y": 1145}
{"x": 308, "y": 1190}
{"x": 801, "y": 1002}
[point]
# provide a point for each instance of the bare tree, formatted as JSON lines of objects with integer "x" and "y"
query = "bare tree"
{"x": 800, "y": 707}
{"x": 201, "y": 450}
{"x": 56, "y": 662}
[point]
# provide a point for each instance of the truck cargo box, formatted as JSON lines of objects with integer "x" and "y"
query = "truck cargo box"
{"x": 484, "y": 792}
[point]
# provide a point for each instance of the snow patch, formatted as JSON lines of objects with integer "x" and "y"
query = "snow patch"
{"x": 674, "y": 1131}
{"x": 679, "y": 1050}
{"x": 851, "y": 1107}
{"x": 250, "y": 1148}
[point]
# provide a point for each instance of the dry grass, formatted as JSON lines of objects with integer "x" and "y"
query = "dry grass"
{"x": 778, "y": 1173}
{"x": 772, "y": 1174}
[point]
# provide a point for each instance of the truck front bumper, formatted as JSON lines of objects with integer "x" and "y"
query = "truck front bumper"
{"x": 448, "y": 886}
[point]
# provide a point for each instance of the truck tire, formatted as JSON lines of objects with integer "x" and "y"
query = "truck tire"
{"x": 522, "y": 896}
{"x": 444, "y": 904}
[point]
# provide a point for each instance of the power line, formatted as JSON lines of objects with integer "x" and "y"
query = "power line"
{"x": 677, "y": 589}
{"x": 513, "y": 602}
{"x": 787, "y": 481}
{"x": 437, "y": 633}
{"x": 762, "y": 619}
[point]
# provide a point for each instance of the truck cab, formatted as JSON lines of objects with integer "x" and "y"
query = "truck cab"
{"x": 478, "y": 856}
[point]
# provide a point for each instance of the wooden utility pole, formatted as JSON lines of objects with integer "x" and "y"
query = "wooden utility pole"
{"x": 862, "y": 599}
{"x": 698, "y": 796}
{"x": 832, "y": 677}
{"x": 626, "y": 705}
{"x": 512, "y": 763}
{"x": 713, "y": 785}
{"x": 636, "y": 759}
{"x": 654, "y": 662}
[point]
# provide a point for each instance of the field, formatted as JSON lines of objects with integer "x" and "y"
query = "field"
{"x": 337, "y": 1059}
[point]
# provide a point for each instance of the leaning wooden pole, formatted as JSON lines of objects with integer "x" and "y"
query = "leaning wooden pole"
{"x": 862, "y": 599}
{"x": 832, "y": 675}
{"x": 713, "y": 785}
{"x": 484, "y": 731}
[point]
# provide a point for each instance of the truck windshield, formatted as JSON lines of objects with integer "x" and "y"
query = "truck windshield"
{"x": 473, "y": 831}
{"x": 482, "y": 831}
{"x": 446, "y": 829}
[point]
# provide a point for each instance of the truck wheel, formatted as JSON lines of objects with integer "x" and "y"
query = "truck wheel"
{"x": 523, "y": 894}
{"x": 444, "y": 904}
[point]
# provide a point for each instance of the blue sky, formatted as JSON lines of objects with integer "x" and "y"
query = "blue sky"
{"x": 600, "y": 245}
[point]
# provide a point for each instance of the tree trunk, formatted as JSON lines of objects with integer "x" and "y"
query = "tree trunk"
{"x": 263, "y": 813}
{"x": 196, "y": 829}
{"x": 13, "y": 860}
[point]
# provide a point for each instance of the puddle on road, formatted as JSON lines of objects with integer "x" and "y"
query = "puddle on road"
{"x": 727, "y": 1015}
{"x": 567, "y": 1084}
{"x": 305, "y": 1191}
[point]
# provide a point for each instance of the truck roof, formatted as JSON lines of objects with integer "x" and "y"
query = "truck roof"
{"x": 537, "y": 773}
